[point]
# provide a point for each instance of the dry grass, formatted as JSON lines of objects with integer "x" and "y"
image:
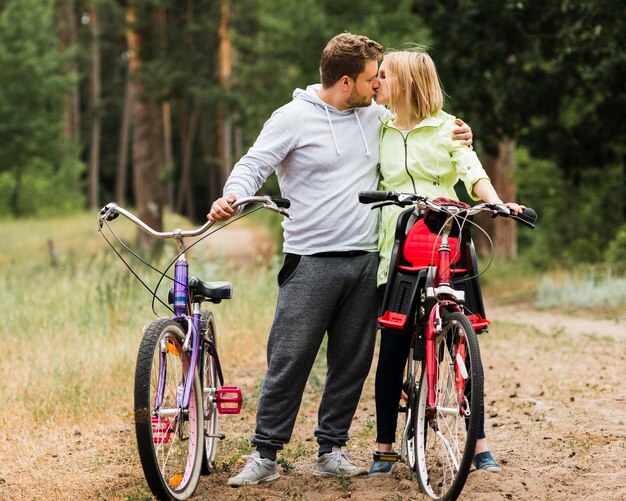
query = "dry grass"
{"x": 69, "y": 345}
{"x": 71, "y": 331}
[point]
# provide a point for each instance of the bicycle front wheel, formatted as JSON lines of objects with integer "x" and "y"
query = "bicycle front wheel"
{"x": 410, "y": 388}
{"x": 446, "y": 435}
{"x": 169, "y": 437}
{"x": 210, "y": 385}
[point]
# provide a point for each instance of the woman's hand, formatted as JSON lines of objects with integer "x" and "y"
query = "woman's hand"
{"x": 516, "y": 209}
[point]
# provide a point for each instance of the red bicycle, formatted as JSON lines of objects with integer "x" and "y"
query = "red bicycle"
{"x": 433, "y": 295}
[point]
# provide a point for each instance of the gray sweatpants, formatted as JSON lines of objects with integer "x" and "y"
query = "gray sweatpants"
{"x": 334, "y": 295}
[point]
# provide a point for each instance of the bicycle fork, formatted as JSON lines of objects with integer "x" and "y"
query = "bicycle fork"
{"x": 434, "y": 327}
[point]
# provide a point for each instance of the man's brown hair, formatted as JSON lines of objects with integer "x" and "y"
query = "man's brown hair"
{"x": 347, "y": 54}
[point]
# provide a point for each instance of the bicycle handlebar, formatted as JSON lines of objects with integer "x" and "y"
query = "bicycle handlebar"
{"x": 527, "y": 217}
{"x": 112, "y": 211}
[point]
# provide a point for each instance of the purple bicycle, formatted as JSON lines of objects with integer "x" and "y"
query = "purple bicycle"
{"x": 179, "y": 384}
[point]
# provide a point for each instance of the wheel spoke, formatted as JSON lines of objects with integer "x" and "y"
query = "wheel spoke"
{"x": 170, "y": 439}
{"x": 444, "y": 442}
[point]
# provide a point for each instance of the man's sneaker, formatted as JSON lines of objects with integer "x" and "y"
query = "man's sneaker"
{"x": 384, "y": 463}
{"x": 484, "y": 461}
{"x": 257, "y": 470}
{"x": 336, "y": 463}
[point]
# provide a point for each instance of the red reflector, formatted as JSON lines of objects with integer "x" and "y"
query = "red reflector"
{"x": 161, "y": 430}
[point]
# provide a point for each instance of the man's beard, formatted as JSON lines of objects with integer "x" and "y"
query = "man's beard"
{"x": 356, "y": 100}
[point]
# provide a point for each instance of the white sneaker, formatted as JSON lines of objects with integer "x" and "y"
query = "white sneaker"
{"x": 336, "y": 463}
{"x": 257, "y": 470}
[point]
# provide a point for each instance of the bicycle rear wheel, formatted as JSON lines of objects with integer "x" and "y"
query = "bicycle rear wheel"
{"x": 210, "y": 385}
{"x": 169, "y": 438}
{"x": 446, "y": 437}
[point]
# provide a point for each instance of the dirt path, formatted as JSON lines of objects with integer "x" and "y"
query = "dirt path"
{"x": 556, "y": 412}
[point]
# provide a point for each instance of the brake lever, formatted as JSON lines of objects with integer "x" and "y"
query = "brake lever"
{"x": 278, "y": 210}
{"x": 500, "y": 210}
{"x": 398, "y": 203}
{"x": 378, "y": 205}
{"x": 523, "y": 221}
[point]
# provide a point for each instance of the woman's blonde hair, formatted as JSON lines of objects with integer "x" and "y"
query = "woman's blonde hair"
{"x": 414, "y": 82}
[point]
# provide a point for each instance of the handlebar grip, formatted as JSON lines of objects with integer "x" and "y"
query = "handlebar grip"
{"x": 528, "y": 217}
{"x": 370, "y": 197}
{"x": 110, "y": 209}
{"x": 282, "y": 202}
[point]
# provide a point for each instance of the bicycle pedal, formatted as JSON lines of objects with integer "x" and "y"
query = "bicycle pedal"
{"x": 229, "y": 400}
{"x": 161, "y": 430}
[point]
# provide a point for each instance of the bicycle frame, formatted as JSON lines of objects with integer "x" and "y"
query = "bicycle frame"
{"x": 182, "y": 301}
{"x": 439, "y": 278}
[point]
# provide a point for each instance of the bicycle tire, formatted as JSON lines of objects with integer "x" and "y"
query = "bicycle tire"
{"x": 169, "y": 439}
{"x": 410, "y": 386}
{"x": 210, "y": 385}
{"x": 444, "y": 447}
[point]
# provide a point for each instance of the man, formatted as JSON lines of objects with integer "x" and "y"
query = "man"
{"x": 323, "y": 146}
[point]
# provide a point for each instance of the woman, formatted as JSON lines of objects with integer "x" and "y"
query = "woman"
{"x": 417, "y": 155}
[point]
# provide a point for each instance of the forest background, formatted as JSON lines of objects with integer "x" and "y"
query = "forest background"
{"x": 149, "y": 103}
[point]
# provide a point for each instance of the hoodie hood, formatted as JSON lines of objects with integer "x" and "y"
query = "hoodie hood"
{"x": 310, "y": 95}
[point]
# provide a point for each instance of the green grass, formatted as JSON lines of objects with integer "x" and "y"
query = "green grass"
{"x": 71, "y": 329}
{"x": 585, "y": 288}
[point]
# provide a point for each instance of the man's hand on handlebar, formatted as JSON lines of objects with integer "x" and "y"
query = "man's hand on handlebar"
{"x": 221, "y": 210}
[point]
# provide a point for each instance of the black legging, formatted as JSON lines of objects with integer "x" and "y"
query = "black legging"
{"x": 394, "y": 351}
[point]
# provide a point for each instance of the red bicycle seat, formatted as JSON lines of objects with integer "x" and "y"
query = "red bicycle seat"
{"x": 421, "y": 245}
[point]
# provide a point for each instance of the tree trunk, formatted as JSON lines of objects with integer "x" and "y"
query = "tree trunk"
{"x": 122, "y": 155}
{"x": 224, "y": 126}
{"x": 94, "y": 104}
{"x": 502, "y": 231}
{"x": 166, "y": 117}
{"x": 146, "y": 133}
{"x": 71, "y": 108}
{"x": 185, "y": 193}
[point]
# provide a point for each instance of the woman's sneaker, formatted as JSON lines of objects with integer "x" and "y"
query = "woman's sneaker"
{"x": 257, "y": 470}
{"x": 384, "y": 463}
{"x": 336, "y": 463}
{"x": 484, "y": 461}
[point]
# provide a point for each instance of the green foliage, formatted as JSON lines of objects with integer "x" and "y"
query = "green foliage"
{"x": 576, "y": 222}
{"x": 280, "y": 42}
{"x": 616, "y": 253}
{"x": 549, "y": 75}
{"x": 33, "y": 173}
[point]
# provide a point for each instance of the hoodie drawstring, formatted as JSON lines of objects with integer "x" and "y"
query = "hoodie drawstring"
{"x": 332, "y": 131}
{"x": 356, "y": 115}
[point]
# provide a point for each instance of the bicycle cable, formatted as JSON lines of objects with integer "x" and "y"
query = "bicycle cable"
{"x": 163, "y": 274}
{"x": 465, "y": 220}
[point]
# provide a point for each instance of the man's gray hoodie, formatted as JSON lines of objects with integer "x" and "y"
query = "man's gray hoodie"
{"x": 323, "y": 157}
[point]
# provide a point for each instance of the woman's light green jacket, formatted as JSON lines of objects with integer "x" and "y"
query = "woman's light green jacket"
{"x": 426, "y": 161}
